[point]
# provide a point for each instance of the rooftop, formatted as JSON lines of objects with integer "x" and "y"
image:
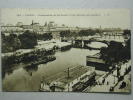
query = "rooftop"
{"x": 62, "y": 78}
{"x": 97, "y": 55}
{"x": 95, "y": 59}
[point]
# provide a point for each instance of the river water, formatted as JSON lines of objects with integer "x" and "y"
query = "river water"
{"x": 29, "y": 78}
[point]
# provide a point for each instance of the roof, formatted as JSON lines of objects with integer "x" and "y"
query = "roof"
{"x": 97, "y": 55}
{"x": 75, "y": 73}
{"x": 95, "y": 58}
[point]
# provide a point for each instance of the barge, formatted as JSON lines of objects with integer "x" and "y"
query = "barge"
{"x": 73, "y": 79}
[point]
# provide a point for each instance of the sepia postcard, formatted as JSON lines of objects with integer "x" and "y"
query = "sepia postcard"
{"x": 65, "y": 50}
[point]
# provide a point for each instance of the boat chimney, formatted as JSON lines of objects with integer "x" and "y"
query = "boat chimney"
{"x": 32, "y": 22}
{"x": 68, "y": 74}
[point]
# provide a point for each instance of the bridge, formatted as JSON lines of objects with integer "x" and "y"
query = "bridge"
{"x": 83, "y": 41}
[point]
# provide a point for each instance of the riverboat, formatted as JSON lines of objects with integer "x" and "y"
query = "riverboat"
{"x": 73, "y": 79}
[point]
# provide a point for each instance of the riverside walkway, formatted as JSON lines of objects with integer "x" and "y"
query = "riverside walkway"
{"x": 104, "y": 84}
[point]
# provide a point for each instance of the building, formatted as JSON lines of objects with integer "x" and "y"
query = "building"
{"x": 19, "y": 24}
{"x": 11, "y": 29}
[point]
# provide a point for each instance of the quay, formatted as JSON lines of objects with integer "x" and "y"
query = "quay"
{"x": 42, "y": 53}
{"x": 42, "y": 45}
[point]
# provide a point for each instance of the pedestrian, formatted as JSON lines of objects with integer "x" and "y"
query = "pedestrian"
{"x": 103, "y": 81}
{"x": 107, "y": 82}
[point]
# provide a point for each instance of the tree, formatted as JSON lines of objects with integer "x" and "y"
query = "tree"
{"x": 127, "y": 52}
{"x": 28, "y": 39}
{"x": 116, "y": 52}
{"x": 88, "y": 32}
{"x": 127, "y": 34}
{"x": 113, "y": 53}
{"x": 65, "y": 33}
{"x": 45, "y": 36}
{"x": 10, "y": 43}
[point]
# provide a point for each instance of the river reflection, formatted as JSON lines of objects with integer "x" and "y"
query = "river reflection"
{"x": 31, "y": 69}
{"x": 29, "y": 78}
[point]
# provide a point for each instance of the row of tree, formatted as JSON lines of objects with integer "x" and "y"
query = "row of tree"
{"x": 44, "y": 37}
{"x": 26, "y": 40}
{"x": 87, "y": 32}
{"x": 117, "y": 52}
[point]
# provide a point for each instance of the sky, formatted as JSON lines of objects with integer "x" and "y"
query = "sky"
{"x": 105, "y": 18}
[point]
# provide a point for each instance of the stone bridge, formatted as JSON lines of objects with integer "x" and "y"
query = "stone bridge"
{"x": 82, "y": 41}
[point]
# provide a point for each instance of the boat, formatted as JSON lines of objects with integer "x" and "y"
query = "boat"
{"x": 69, "y": 80}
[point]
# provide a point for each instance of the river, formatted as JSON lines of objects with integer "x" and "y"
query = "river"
{"x": 29, "y": 78}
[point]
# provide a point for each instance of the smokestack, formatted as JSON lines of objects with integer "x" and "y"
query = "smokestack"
{"x": 68, "y": 74}
{"x": 32, "y": 22}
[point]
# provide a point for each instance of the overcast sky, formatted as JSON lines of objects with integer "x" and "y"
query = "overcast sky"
{"x": 106, "y": 18}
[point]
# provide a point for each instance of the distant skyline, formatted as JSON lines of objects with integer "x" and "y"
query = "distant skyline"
{"x": 106, "y": 18}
